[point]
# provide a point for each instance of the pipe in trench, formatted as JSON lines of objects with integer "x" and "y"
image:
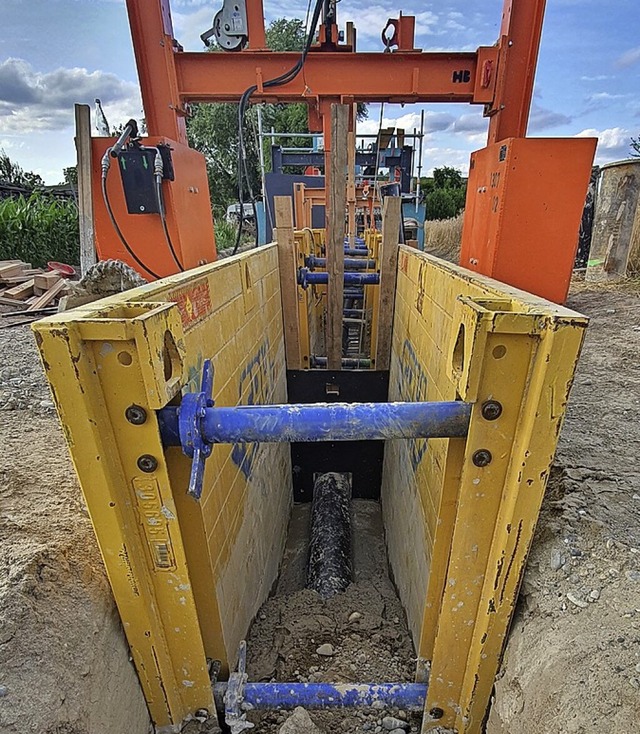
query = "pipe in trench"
{"x": 329, "y": 571}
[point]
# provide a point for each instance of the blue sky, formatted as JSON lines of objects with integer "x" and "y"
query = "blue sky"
{"x": 54, "y": 53}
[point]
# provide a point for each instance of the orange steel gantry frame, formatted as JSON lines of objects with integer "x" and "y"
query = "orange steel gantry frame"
{"x": 500, "y": 77}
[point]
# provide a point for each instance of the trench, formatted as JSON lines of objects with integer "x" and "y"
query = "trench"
{"x": 362, "y": 630}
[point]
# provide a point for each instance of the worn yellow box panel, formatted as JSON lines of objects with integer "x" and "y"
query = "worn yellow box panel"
{"x": 187, "y": 576}
{"x": 460, "y": 514}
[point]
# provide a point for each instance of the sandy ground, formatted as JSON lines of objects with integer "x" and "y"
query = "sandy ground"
{"x": 572, "y": 663}
{"x": 64, "y": 662}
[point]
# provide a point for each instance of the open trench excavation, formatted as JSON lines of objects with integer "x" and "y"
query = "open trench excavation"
{"x": 62, "y": 645}
{"x": 357, "y": 634}
{"x": 572, "y": 663}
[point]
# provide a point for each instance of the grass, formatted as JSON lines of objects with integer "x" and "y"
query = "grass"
{"x": 443, "y": 237}
{"x": 39, "y": 229}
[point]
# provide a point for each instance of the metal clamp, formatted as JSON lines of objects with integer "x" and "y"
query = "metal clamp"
{"x": 193, "y": 409}
{"x": 235, "y": 719}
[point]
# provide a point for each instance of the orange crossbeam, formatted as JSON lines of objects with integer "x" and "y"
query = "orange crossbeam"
{"x": 363, "y": 77}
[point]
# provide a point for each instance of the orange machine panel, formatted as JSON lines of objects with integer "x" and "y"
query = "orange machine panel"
{"x": 188, "y": 215}
{"x": 525, "y": 198}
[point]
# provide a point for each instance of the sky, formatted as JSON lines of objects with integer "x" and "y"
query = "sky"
{"x": 54, "y": 53}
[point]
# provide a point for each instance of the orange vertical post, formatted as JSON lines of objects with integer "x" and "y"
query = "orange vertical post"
{"x": 520, "y": 35}
{"x": 153, "y": 45}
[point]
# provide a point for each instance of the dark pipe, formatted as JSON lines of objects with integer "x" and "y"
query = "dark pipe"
{"x": 329, "y": 570}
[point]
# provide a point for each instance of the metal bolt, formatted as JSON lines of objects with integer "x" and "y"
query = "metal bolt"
{"x": 491, "y": 409}
{"x": 136, "y": 414}
{"x": 436, "y": 713}
{"x": 147, "y": 463}
{"x": 482, "y": 457}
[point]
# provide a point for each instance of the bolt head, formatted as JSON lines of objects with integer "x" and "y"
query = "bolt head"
{"x": 491, "y": 410}
{"x": 436, "y": 713}
{"x": 482, "y": 457}
{"x": 147, "y": 463}
{"x": 136, "y": 414}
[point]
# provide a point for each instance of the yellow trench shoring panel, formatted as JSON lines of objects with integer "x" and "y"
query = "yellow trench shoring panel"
{"x": 459, "y": 528}
{"x": 188, "y": 577}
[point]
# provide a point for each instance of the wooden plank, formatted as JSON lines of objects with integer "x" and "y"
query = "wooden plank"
{"x": 46, "y": 280}
{"x": 46, "y": 298}
{"x": 351, "y": 186}
{"x": 335, "y": 214}
{"x": 21, "y": 291}
{"x": 88, "y": 255}
{"x": 388, "y": 271}
{"x": 4, "y": 301}
{"x": 10, "y": 270}
{"x": 288, "y": 286}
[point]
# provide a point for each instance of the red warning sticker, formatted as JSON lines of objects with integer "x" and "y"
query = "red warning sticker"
{"x": 194, "y": 303}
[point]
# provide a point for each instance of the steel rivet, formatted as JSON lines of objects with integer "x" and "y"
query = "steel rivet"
{"x": 436, "y": 713}
{"x": 136, "y": 414}
{"x": 491, "y": 409}
{"x": 482, "y": 457}
{"x": 147, "y": 463}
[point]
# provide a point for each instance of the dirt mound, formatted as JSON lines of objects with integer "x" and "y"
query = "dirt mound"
{"x": 572, "y": 664}
{"x": 64, "y": 662}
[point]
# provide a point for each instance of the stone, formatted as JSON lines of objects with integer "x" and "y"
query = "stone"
{"x": 557, "y": 560}
{"x": 595, "y": 594}
{"x": 576, "y": 600}
{"x": 633, "y": 575}
{"x": 390, "y": 723}
{"x": 326, "y": 650}
{"x": 354, "y": 617}
{"x": 299, "y": 723}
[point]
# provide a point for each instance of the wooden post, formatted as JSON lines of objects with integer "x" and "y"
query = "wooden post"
{"x": 391, "y": 213}
{"x": 288, "y": 285}
{"x": 336, "y": 202}
{"x": 88, "y": 255}
{"x": 351, "y": 185}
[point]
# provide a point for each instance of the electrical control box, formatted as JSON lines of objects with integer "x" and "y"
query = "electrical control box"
{"x": 136, "y": 166}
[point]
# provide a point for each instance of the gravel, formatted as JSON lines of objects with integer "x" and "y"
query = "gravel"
{"x": 22, "y": 382}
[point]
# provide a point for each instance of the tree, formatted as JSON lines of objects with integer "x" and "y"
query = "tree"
{"x": 213, "y": 128}
{"x": 71, "y": 176}
{"x": 635, "y": 147}
{"x": 12, "y": 173}
{"x": 445, "y": 193}
{"x": 447, "y": 178}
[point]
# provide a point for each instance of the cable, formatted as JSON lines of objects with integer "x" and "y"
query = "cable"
{"x": 106, "y": 164}
{"x": 158, "y": 172}
{"x": 284, "y": 78}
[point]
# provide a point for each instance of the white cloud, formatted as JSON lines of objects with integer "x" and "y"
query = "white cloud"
{"x": 543, "y": 119}
{"x": 35, "y": 102}
{"x": 629, "y": 57}
{"x": 187, "y": 27}
{"x": 613, "y": 143}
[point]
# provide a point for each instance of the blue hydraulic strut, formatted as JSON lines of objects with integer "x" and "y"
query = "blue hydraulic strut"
{"x": 350, "y": 263}
{"x": 196, "y": 425}
{"x": 306, "y": 278}
{"x": 238, "y": 696}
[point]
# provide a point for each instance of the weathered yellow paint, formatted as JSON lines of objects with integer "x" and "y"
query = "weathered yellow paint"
{"x": 458, "y": 534}
{"x": 187, "y": 577}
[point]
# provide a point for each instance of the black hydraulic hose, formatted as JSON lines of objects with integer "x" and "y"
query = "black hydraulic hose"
{"x": 158, "y": 169}
{"x": 284, "y": 78}
{"x": 105, "y": 170}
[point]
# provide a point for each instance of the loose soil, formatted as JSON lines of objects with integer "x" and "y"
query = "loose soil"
{"x": 572, "y": 663}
